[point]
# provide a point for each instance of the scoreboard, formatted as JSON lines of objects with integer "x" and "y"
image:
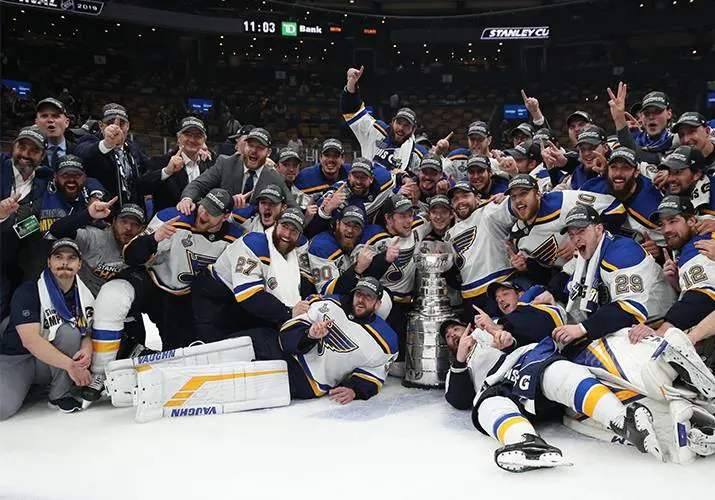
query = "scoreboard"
{"x": 262, "y": 26}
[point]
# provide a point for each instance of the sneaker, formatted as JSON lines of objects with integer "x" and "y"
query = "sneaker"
{"x": 65, "y": 405}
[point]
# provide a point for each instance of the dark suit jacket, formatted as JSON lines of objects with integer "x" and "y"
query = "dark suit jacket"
{"x": 166, "y": 193}
{"x": 227, "y": 173}
{"x": 70, "y": 151}
{"x": 103, "y": 168}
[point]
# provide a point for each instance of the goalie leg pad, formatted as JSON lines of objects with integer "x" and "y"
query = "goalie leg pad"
{"x": 122, "y": 374}
{"x": 111, "y": 308}
{"x": 679, "y": 351}
{"x": 178, "y": 391}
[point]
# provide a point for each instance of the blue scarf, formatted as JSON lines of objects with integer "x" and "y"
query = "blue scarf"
{"x": 57, "y": 297}
{"x": 660, "y": 144}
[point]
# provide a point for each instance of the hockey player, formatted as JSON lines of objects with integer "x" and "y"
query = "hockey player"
{"x": 479, "y": 139}
{"x": 692, "y": 274}
{"x": 525, "y": 158}
{"x": 686, "y": 176}
{"x": 317, "y": 179}
{"x": 391, "y": 146}
{"x": 340, "y": 347}
{"x": 440, "y": 218}
{"x": 271, "y": 204}
{"x": 521, "y": 133}
{"x": 616, "y": 283}
{"x": 533, "y": 383}
{"x": 288, "y": 165}
{"x": 638, "y": 195}
{"x": 163, "y": 261}
{"x": 536, "y": 245}
{"x": 481, "y": 176}
{"x": 256, "y": 282}
{"x": 693, "y": 130}
{"x": 592, "y": 147}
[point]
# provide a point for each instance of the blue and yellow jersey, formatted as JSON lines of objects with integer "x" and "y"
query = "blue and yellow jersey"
{"x": 312, "y": 181}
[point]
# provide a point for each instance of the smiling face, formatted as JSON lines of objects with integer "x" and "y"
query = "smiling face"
{"x": 359, "y": 183}
{"x": 401, "y": 130}
{"x": 26, "y": 154}
{"x": 587, "y": 154}
{"x": 400, "y": 223}
{"x": 269, "y": 211}
{"x": 126, "y": 228}
{"x": 480, "y": 179}
{"x": 622, "y": 179}
{"x": 695, "y": 136}
{"x": 364, "y": 304}
{"x": 254, "y": 154}
{"x": 464, "y": 204}
{"x": 330, "y": 163}
{"x": 52, "y": 122}
{"x": 677, "y": 230}
{"x": 655, "y": 120}
{"x": 428, "y": 179}
{"x": 347, "y": 234}
{"x": 525, "y": 203}
{"x": 70, "y": 182}
{"x": 440, "y": 218}
{"x": 207, "y": 223}
{"x": 191, "y": 141}
{"x": 585, "y": 239}
{"x": 681, "y": 181}
{"x": 453, "y": 335}
{"x": 289, "y": 169}
{"x": 285, "y": 237}
{"x": 119, "y": 122}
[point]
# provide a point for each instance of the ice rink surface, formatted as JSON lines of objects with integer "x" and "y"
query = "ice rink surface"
{"x": 402, "y": 444}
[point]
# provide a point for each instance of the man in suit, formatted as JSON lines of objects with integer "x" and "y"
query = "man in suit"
{"x": 52, "y": 118}
{"x": 115, "y": 160}
{"x": 172, "y": 172}
{"x": 243, "y": 174}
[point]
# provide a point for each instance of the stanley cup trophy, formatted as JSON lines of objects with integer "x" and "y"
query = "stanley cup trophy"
{"x": 427, "y": 357}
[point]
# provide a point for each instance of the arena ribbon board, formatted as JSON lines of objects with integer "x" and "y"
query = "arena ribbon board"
{"x": 89, "y": 7}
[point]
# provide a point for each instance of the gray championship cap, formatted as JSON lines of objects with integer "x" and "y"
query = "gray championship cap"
{"x": 217, "y": 202}
{"x": 493, "y": 287}
{"x": 70, "y": 162}
{"x": 332, "y": 144}
{"x": 684, "y": 157}
{"x": 33, "y": 134}
{"x": 397, "y": 204}
{"x": 478, "y": 128}
{"x": 431, "y": 161}
{"x": 114, "y": 110}
{"x": 289, "y": 154}
{"x": 461, "y": 186}
{"x": 369, "y": 285}
{"x": 243, "y": 130}
{"x": 353, "y": 214}
{"x": 423, "y": 140}
{"x": 655, "y": 99}
{"x": 578, "y": 116}
{"x": 592, "y": 134}
{"x": 294, "y": 217}
{"x": 524, "y": 129}
{"x": 272, "y": 192}
{"x": 691, "y": 118}
{"x": 408, "y": 115}
{"x": 673, "y": 205}
{"x": 438, "y": 200}
{"x": 479, "y": 161}
{"x": 51, "y": 101}
{"x": 448, "y": 323}
{"x": 362, "y": 165}
{"x": 192, "y": 122}
{"x": 527, "y": 150}
{"x": 261, "y": 135}
{"x": 64, "y": 243}
{"x": 132, "y": 210}
{"x": 580, "y": 216}
{"x": 523, "y": 181}
{"x": 624, "y": 154}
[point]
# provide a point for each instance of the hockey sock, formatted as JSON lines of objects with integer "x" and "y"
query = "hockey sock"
{"x": 501, "y": 418}
{"x": 111, "y": 308}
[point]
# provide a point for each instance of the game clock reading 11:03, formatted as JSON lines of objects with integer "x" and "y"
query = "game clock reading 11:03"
{"x": 259, "y": 27}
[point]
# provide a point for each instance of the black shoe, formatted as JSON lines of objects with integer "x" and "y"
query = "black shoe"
{"x": 532, "y": 453}
{"x": 65, "y": 405}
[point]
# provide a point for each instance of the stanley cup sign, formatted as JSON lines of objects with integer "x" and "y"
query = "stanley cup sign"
{"x": 427, "y": 357}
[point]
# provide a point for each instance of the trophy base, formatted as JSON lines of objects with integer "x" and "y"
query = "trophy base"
{"x": 427, "y": 356}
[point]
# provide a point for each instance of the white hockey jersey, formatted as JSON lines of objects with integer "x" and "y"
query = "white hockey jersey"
{"x": 695, "y": 270}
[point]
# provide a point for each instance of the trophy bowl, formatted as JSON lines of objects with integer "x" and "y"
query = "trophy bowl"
{"x": 434, "y": 263}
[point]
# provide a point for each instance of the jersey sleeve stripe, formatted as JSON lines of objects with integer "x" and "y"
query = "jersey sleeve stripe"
{"x": 608, "y": 267}
{"x": 350, "y": 116}
{"x": 644, "y": 221}
{"x": 369, "y": 378}
{"x": 386, "y": 185}
{"x": 478, "y": 287}
{"x": 380, "y": 129}
{"x": 337, "y": 253}
{"x": 548, "y": 217}
{"x": 239, "y": 218}
{"x": 631, "y": 308}
{"x": 378, "y": 338}
{"x": 376, "y": 238}
{"x": 293, "y": 322}
{"x": 318, "y": 388}
{"x": 265, "y": 259}
{"x": 247, "y": 293}
{"x": 555, "y": 316}
{"x": 706, "y": 291}
{"x": 315, "y": 188}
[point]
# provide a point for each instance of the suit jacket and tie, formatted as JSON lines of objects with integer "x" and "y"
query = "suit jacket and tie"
{"x": 166, "y": 193}
{"x": 227, "y": 173}
{"x": 52, "y": 163}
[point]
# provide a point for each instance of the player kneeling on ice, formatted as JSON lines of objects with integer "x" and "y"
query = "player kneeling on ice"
{"x": 339, "y": 346}
{"x": 532, "y": 383}
{"x": 46, "y": 340}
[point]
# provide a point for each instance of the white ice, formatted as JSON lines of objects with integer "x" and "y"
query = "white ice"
{"x": 402, "y": 444}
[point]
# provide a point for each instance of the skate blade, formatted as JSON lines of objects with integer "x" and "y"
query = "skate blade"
{"x": 86, "y": 404}
{"x": 517, "y": 461}
{"x": 644, "y": 423}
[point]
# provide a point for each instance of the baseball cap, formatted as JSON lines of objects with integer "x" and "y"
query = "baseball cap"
{"x": 273, "y": 193}
{"x": 522, "y": 128}
{"x": 369, "y": 285}
{"x": 34, "y": 134}
{"x": 289, "y": 154}
{"x": 692, "y": 118}
{"x": 655, "y": 99}
{"x": 524, "y": 181}
{"x": 51, "y": 101}
{"x": 113, "y": 110}
{"x": 580, "y": 216}
{"x": 423, "y": 140}
{"x": 217, "y": 202}
{"x": 243, "y": 130}
{"x": 460, "y": 186}
{"x": 545, "y": 134}
{"x": 132, "y": 210}
{"x": 624, "y": 154}
{"x": 480, "y": 161}
{"x": 684, "y": 157}
{"x": 578, "y": 115}
{"x": 408, "y": 115}
{"x": 397, "y": 204}
{"x": 527, "y": 150}
{"x": 261, "y": 135}
{"x": 592, "y": 134}
{"x": 431, "y": 161}
{"x": 332, "y": 144}
{"x": 362, "y": 165}
{"x": 192, "y": 122}
{"x": 673, "y": 205}
{"x": 448, "y": 323}
{"x": 292, "y": 216}
{"x": 65, "y": 243}
{"x": 438, "y": 200}
{"x": 354, "y": 214}
{"x": 478, "y": 128}
{"x": 493, "y": 287}
{"x": 70, "y": 162}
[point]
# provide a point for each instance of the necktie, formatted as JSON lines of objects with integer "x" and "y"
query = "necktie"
{"x": 248, "y": 185}
{"x": 54, "y": 157}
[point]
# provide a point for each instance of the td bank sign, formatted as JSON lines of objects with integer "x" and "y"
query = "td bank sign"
{"x": 290, "y": 28}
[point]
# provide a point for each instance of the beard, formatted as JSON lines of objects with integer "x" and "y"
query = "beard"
{"x": 283, "y": 247}
{"x": 626, "y": 188}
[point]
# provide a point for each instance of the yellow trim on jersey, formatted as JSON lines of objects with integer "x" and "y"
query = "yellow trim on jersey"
{"x": 379, "y": 128}
{"x": 142, "y": 368}
{"x": 547, "y": 218}
{"x": 369, "y": 379}
{"x": 181, "y": 224}
{"x": 641, "y": 219}
{"x": 625, "y": 395}
{"x": 376, "y": 238}
{"x": 315, "y": 188}
{"x": 168, "y": 290}
{"x": 248, "y": 293}
{"x": 602, "y": 355}
{"x": 620, "y": 209}
{"x": 292, "y": 322}
{"x": 378, "y": 337}
{"x": 228, "y": 237}
{"x": 703, "y": 290}
{"x": 608, "y": 266}
{"x": 265, "y": 260}
{"x": 337, "y": 253}
{"x": 507, "y": 424}
{"x": 555, "y": 317}
{"x": 112, "y": 346}
{"x": 632, "y": 310}
{"x": 195, "y": 383}
{"x": 313, "y": 384}
{"x": 348, "y": 116}
{"x": 386, "y": 185}
{"x": 707, "y": 211}
{"x": 331, "y": 286}
{"x": 594, "y": 395}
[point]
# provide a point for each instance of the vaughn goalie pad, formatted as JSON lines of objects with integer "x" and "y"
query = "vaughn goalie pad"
{"x": 183, "y": 391}
{"x": 122, "y": 373}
